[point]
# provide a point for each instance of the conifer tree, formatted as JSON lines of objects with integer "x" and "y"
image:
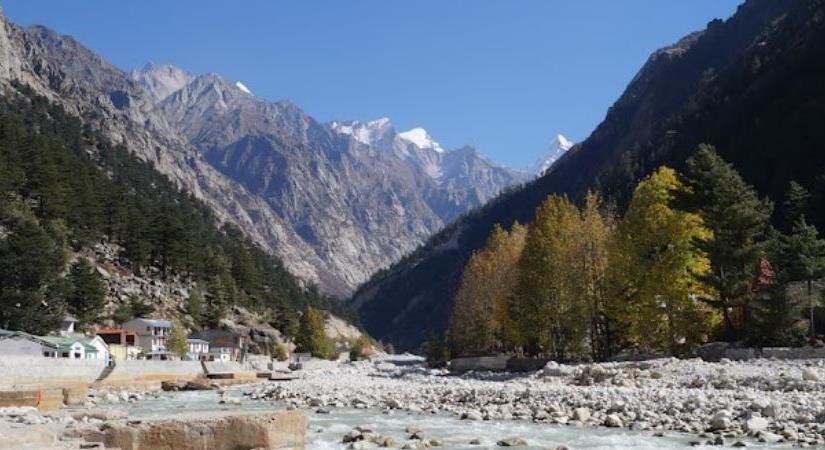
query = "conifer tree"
{"x": 803, "y": 259}
{"x": 87, "y": 293}
{"x": 738, "y": 220}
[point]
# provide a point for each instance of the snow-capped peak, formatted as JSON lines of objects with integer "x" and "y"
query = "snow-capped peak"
{"x": 563, "y": 143}
{"x": 554, "y": 152}
{"x": 242, "y": 87}
{"x": 365, "y": 133}
{"x": 421, "y": 139}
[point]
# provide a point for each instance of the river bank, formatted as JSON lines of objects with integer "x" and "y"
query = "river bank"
{"x": 397, "y": 401}
{"x": 731, "y": 403}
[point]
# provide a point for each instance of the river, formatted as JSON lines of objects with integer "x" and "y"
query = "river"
{"x": 326, "y": 430}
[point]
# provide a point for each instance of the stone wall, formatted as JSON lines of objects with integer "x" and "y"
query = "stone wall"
{"x": 284, "y": 430}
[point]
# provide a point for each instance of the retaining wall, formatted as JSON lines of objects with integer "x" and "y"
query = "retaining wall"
{"x": 496, "y": 362}
{"x": 21, "y": 371}
{"x": 149, "y": 374}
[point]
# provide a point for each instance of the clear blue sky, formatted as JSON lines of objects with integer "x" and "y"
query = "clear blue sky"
{"x": 505, "y": 76}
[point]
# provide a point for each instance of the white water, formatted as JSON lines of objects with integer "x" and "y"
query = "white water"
{"x": 326, "y": 430}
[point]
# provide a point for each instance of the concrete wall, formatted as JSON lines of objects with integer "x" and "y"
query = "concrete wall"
{"x": 497, "y": 362}
{"x": 39, "y": 371}
{"x": 145, "y": 373}
{"x": 15, "y": 346}
{"x": 793, "y": 353}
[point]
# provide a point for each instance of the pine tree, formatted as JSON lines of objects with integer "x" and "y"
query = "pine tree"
{"x": 87, "y": 293}
{"x": 738, "y": 219}
{"x": 31, "y": 258}
{"x": 663, "y": 270}
{"x": 803, "y": 259}
{"x": 195, "y": 306}
{"x": 774, "y": 313}
{"x": 795, "y": 205}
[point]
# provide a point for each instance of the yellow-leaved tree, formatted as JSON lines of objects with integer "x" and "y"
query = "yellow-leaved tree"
{"x": 480, "y": 321}
{"x": 548, "y": 310}
{"x": 660, "y": 267}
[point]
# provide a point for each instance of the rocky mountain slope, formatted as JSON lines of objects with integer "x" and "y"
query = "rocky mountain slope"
{"x": 358, "y": 196}
{"x": 332, "y": 208}
{"x": 751, "y": 85}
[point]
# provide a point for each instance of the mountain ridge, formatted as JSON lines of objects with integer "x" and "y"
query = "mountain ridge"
{"x": 718, "y": 86}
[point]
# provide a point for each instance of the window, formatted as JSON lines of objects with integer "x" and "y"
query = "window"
{"x": 65, "y": 354}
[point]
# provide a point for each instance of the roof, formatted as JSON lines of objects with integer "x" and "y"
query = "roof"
{"x": 157, "y": 322}
{"x": 114, "y": 331}
{"x": 196, "y": 340}
{"x": 66, "y": 343}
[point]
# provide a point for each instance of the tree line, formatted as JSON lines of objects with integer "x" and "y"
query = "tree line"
{"x": 65, "y": 187}
{"x": 693, "y": 258}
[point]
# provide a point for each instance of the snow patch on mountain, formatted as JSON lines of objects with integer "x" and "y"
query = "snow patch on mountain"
{"x": 242, "y": 87}
{"x": 421, "y": 139}
{"x": 556, "y": 150}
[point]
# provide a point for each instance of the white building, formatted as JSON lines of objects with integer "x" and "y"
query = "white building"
{"x": 198, "y": 349}
{"x": 152, "y": 334}
{"x": 68, "y": 326}
{"x": 223, "y": 354}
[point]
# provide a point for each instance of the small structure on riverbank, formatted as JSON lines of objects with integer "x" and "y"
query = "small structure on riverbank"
{"x": 152, "y": 334}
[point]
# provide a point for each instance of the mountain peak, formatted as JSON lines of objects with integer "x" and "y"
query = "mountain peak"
{"x": 161, "y": 80}
{"x": 421, "y": 139}
{"x": 557, "y": 148}
{"x": 243, "y": 87}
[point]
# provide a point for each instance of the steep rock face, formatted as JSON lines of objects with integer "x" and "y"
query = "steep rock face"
{"x": 355, "y": 209}
{"x": 161, "y": 80}
{"x": 752, "y": 85}
{"x": 106, "y": 98}
{"x": 359, "y": 195}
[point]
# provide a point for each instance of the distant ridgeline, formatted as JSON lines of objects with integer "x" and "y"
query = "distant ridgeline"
{"x": 64, "y": 187}
{"x": 752, "y": 86}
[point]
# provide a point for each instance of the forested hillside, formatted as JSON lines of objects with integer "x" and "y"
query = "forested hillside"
{"x": 752, "y": 86}
{"x": 64, "y": 187}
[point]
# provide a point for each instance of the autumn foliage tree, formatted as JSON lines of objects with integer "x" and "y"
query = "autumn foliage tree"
{"x": 481, "y": 321}
{"x": 662, "y": 269}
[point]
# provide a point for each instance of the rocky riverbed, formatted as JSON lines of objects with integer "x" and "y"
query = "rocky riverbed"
{"x": 726, "y": 403}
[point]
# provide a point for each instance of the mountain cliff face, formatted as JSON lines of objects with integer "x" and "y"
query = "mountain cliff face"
{"x": 359, "y": 196}
{"x": 753, "y": 86}
{"x": 333, "y": 208}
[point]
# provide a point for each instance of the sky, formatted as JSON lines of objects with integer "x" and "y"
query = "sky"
{"x": 504, "y": 76}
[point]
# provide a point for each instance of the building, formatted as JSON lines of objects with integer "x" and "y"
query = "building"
{"x": 68, "y": 326}
{"x": 122, "y": 343}
{"x": 198, "y": 349}
{"x": 151, "y": 334}
{"x": 223, "y": 344}
{"x": 67, "y": 347}
{"x": 15, "y": 343}
{"x": 223, "y": 354}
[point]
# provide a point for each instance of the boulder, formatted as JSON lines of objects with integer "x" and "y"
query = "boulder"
{"x": 756, "y": 424}
{"x": 581, "y": 414}
{"x": 809, "y": 374}
{"x": 712, "y": 351}
{"x": 512, "y": 442}
{"x": 613, "y": 421}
